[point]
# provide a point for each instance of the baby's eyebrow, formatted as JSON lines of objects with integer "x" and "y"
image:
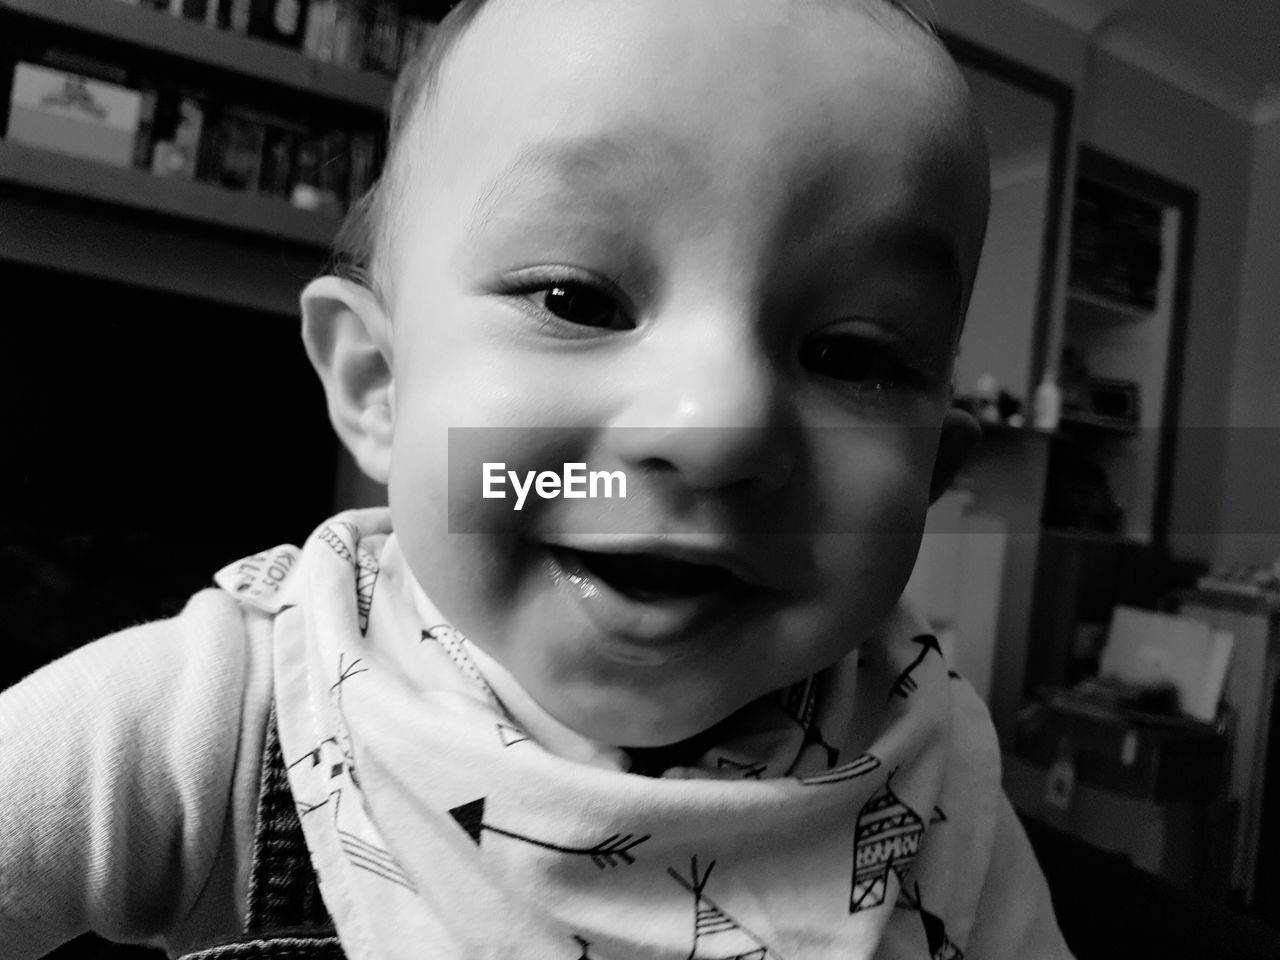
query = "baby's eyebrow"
{"x": 921, "y": 248}
{"x": 601, "y": 167}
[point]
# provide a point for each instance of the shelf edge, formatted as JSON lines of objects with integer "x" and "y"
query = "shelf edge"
{"x": 179, "y": 198}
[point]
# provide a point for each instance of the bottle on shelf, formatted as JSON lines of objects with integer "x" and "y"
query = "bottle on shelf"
{"x": 1048, "y": 402}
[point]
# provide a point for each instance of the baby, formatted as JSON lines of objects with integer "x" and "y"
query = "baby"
{"x": 715, "y": 254}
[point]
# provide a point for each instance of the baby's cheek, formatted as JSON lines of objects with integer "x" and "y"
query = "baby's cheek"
{"x": 880, "y": 487}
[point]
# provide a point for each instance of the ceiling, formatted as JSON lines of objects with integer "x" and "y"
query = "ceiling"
{"x": 1239, "y": 37}
{"x": 1229, "y": 50}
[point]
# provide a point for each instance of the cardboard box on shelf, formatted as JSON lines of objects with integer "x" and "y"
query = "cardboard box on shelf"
{"x": 1126, "y": 751}
{"x": 1187, "y": 842}
{"x": 1147, "y": 647}
{"x": 72, "y": 114}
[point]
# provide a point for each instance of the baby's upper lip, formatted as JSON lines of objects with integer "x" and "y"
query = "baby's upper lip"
{"x": 744, "y": 561}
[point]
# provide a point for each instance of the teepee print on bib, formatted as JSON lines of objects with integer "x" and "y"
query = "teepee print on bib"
{"x": 716, "y": 935}
{"x": 452, "y": 643}
{"x": 800, "y": 704}
{"x": 935, "y": 931}
{"x": 886, "y": 842}
{"x": 326, "y": 775}
{"x": 343, "y": 539}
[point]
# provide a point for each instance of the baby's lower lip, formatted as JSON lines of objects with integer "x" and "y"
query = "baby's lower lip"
{"x": 644, "y": 627}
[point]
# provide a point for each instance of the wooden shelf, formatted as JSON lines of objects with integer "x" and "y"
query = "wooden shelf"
{"x": 1090, "y": 307}
{"x": 171, "y": 196}
{"x": 1093, "y": 422}
{"x": 1080, "y": 535}
{"x": 223, "y": 49}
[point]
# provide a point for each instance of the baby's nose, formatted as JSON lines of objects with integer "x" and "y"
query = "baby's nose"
{"x": 715, "y": 411}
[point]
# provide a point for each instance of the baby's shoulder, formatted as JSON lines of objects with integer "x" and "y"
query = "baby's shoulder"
{"x": 185, "y": 672}
{"x": 121, "y": 753}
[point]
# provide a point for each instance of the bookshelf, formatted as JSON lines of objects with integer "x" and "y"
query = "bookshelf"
{"x": 191, "y": 234}
{"x": 1104, "y": 520}
{"x": 1120, "y": 367}
{"x": 1090, "y": 307}
{"x": 193, "y": 42}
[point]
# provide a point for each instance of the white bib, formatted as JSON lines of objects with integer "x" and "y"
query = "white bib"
{"x": 448, "y": 816}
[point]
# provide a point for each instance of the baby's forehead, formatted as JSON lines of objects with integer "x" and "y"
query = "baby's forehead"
{"x": 628, "y": 96}
{"x": 519, "y": 62}
{"x": 531, "y": 49}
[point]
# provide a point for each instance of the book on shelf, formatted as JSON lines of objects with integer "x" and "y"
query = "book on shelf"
{"x": 414, "y": 32}
{"x": 381, "y": 48}
{"x": 278, "y": 21}
{"x": 279, "y": 144}
{"x": 232, "y": 152}
{"x": 363, "y": 164}
{"x": 335, "y": 33}
{"x": 322, "y": 172}
{"x": 234, "y": 15}
{"x": 177, "y": 128}
{"x": 1116, "y": 244}
{"x": 373, "y": 35}
{"x": 197, "y": 10}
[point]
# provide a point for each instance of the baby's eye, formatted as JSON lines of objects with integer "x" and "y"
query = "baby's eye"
{"x": 852, "y": 359}
{"x": 582, "y": 305}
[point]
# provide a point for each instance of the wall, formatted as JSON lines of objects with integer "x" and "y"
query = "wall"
{"x": 1007, "y": 287}
{"x": 1250, "y": 521}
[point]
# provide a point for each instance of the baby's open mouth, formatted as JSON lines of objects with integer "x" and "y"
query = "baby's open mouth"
{"x": 648, "y": 577}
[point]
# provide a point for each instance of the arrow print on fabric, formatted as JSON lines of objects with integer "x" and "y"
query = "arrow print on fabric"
{"x": 609, "y": 852}
{"x": 906, "y": 683}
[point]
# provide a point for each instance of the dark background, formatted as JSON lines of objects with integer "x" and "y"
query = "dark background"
{"x": 150, "y": 439}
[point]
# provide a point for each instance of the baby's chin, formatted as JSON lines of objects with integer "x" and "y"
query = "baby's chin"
{"x": 639, "y": 715}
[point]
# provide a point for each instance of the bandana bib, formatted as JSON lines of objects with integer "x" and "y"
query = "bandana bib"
{"x": 847, "y": 816}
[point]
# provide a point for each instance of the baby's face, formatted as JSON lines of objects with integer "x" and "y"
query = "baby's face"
{"x": 722, "y": 246}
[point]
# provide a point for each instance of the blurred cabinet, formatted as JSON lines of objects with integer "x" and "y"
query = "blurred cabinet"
{"x": 1250, "y": 695}
{"x": 1121, "y": 357}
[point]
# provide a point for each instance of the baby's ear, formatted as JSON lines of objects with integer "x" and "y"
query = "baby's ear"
{"x": 348, "y": 338}
{"x": 960, "y": 434}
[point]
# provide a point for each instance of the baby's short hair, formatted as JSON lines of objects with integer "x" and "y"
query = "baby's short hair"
{"x": 362, "y": 238}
